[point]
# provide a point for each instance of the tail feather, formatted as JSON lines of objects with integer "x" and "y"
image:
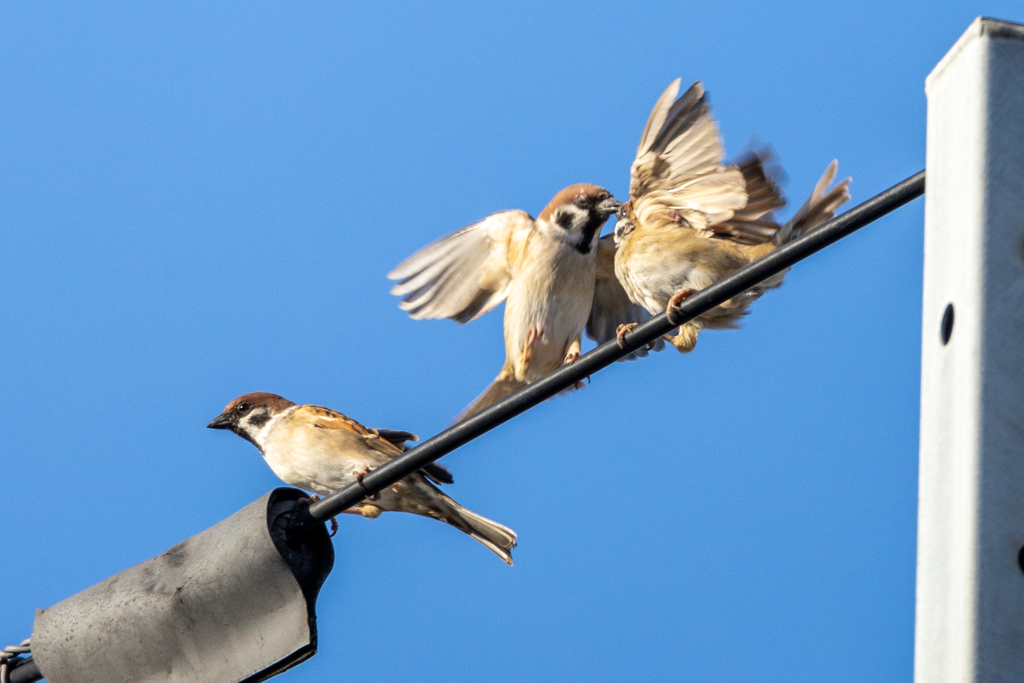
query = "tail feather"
{"x": 820, "y": 207}
{"x": 498, "y": 538}
{"x": 502, "y": 386}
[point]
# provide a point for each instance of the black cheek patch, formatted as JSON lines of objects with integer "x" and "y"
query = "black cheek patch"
{"x": 260, "y": 419}
{"x": 564, "y": 220}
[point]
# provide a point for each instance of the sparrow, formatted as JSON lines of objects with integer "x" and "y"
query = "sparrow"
{"x": 320, "y": 450}
{"x": 547, "y": 272}
{"x": 691, "y": 220}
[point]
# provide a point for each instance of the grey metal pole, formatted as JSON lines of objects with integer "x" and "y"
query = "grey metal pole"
{"x": 970, "y": 582}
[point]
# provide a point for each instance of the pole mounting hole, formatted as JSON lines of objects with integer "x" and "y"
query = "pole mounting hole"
{"x": 946, "y": 329}
{"x": 1020, "y": 559}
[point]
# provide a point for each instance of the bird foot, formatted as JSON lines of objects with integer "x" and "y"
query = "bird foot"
{"x": 571, "y": 357}
{"x": 334, "y": 528}
{"x": 620, "y": 332}
{"x": 686, "y": 340}
{"x": 677, "y": 299}
{"x": 362, "y": 475}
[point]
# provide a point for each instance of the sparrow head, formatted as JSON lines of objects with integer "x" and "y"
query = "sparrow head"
{"x": 577, "y": 213}
{"x": 249, "y": 414}
{"x": 626, "y": 222}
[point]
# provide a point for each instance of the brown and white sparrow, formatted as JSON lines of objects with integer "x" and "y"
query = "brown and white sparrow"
{"x": 545, "y": 270}
{"x": 321, "y": 450}
{"x": 691, "y": 220}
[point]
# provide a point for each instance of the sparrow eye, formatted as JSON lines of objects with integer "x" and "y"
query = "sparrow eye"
{"x": 581, "y": 200}
{"x": 242, "y": 408}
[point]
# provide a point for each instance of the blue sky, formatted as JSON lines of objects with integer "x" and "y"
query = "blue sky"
{"x": 199, "y": 200}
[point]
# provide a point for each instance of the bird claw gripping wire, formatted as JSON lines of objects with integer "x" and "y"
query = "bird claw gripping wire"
{"x": 672, "y": 310}
{"x": 9, "y": 653}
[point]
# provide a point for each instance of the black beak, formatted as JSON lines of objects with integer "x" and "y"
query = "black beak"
{"x": 222, "y": 421}
{"x": 609, "y": 206}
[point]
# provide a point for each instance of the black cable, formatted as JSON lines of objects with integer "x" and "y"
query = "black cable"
{"x": 24, "y": 670}
{"x": 610, "y": 352}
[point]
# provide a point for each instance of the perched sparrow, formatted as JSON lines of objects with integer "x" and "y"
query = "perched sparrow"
{"x": 318, "y": 449}
{"x": 546, "y": 270}
{"x": 691, "y": 221}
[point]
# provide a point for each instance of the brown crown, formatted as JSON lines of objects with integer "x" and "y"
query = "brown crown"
{"x": 261, "y": 398}
{"x": 570, "y": 193}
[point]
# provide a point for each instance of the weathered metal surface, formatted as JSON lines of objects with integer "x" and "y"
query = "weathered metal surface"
{"x": 970, "y": 585}
{"x": 234, "y": 603}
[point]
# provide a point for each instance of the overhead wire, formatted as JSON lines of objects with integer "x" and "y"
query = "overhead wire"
{"x": 17, "y": 670}
{"x": 601, "y": 357}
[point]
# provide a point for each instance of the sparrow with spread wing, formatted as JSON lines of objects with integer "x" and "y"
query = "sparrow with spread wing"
{"x": 321, "y": 450}
{"x": 545, "y": 270}
{"x": 691, "y": 220}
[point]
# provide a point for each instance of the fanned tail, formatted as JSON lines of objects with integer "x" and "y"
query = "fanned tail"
{"x": 502, "y": 386}
{"x": 820, "y": 207}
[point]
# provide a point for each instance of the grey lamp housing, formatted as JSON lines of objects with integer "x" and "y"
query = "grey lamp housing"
{"x": 233, "y": 603}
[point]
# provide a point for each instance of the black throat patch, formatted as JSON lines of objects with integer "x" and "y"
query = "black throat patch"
{"x": 591, "y": 228}
{"x": 242, "y": 433}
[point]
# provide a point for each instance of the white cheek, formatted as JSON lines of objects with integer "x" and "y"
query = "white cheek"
{"x": 568, "y": 215}
{"x": 577, "y": 216}
{"x": 260, "y": 435}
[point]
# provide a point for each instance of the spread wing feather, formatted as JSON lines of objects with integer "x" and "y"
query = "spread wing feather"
{"x": 686, "y": 143}
{"x": 612, "y": 306}
{"x": 754, "y": 223}
{"x": 678, "y": 177}
{"x": 462, "y": 275}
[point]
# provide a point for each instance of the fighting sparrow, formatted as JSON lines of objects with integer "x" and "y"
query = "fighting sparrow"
{"x": 321, "y": 450}
{"x": 545, "y": 270}
{"x": 691, "y": 220}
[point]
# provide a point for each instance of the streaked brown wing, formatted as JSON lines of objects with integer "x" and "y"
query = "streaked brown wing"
{"x": 320, "y": 417}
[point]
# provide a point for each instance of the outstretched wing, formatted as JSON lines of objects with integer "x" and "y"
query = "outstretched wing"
{"x": 612, "y": 306}
{"x": 755, "y": 222}
{"x": 462, "y": 275}
{"x": 681, "y": 142}
{"x": 678, "y": 177}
